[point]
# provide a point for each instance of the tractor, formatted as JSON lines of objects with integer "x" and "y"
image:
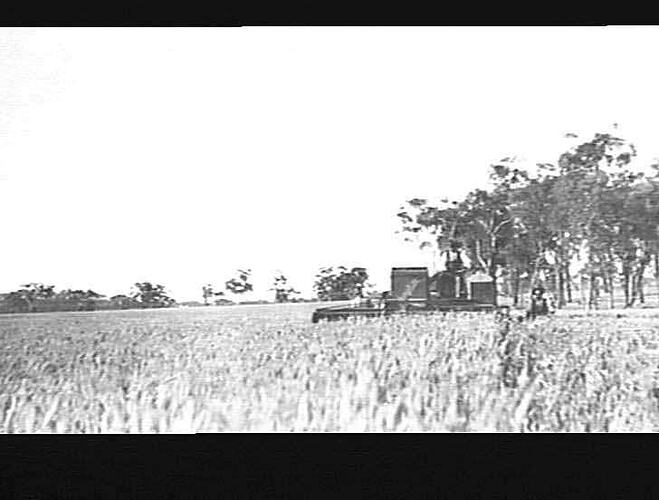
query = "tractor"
{"x": 414, "y": 291}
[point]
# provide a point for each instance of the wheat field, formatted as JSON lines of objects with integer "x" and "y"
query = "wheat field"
{"x": 268, "y": 369}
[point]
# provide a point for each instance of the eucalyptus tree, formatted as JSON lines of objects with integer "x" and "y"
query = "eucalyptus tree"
{"x": 341, "y": 283}
{"x": 149, "y": 295}
{"x": 241, "y": 283}
{"x": 283, "y": 291}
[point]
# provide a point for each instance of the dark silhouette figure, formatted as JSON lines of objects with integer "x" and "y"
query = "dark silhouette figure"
{"x": 539, "y": 306}
{"x": 383, "y": 300}
{"x": 456, "y": 269}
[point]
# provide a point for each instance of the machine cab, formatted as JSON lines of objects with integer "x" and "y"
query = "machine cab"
{"x": 413, "y": 285}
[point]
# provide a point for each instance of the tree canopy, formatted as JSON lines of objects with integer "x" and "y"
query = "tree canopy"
{"x": 340, "y": 283}
{"x": 151, "y": 295}
{"x": 241, "y": 283}
{"x": 283, "y": 291}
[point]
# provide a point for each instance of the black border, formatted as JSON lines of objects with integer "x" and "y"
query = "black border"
{"x": 308, "y": 13}
{"x": 327, "y": 465}
{"x": 346, "y": 466}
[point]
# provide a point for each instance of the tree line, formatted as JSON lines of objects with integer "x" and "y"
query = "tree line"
{"x": 37, "y": 297}
{"x": 585, "y": 227}
{"x": 331, "y": 283}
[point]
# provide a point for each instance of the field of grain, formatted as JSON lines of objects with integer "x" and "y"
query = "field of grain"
{"x": 267, "y": 368}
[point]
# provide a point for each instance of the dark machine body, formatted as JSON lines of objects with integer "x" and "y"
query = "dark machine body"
{"x": 413, "y": 291}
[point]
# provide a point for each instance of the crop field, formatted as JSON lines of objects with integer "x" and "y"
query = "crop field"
{"x": 267, "y": 368}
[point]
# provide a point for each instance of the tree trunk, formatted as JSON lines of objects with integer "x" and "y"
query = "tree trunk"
{"x": 536, "y": 265}
{"x": 609, "y": 278}
{"x": 625, "y": 283}
{"x": 634, "y": 287}
{"x": 515, "y": 284}
{"x": 605, "y": 282}
{"x": 560, "y": 285}
{"x": 568, "y": 282}
{"x": 479, "y": 256}
{"x": 594, "y": 292}
{"x": 495, "y": 286}
{"x": 638, "y": 283}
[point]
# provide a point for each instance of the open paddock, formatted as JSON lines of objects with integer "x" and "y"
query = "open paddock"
{"x": 267, "y": 368}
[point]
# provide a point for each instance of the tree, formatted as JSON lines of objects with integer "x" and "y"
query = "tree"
{"x": 636, "y": 239}
{"x": 123, "y": 302}
{"x": 148, "y": 295}
{"x": 592, "y": 178}
{"x": 25, "y": 298}
{"x": 79, "y": 300}
{"x": 283, "y": 291}
{"x": 240, "y": 284}
{"x": 341, "y": 283}
{"x": 533, "y": 250}
{"x": 208, "y": 292}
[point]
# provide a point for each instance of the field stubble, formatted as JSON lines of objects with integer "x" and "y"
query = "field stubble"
{"x": 269, "y": 369}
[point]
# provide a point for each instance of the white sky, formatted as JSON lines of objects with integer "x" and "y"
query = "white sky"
{"x": 179, "y": 155}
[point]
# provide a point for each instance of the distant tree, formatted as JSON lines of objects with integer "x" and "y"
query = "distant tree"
{"x": 208, "y": 292}
{"x": 283, "y": 291}
{"x": 79, "y": 299}
{"x": 223, "y": 302}
{"x": 340, "y": 283}
{"x": 25, "y": 298}
{"x": 123, "y": 302}
{"x": 149, "y": 295}
{"x": 240, "y": 284}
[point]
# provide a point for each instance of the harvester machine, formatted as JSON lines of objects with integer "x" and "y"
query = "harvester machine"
{"x": 413, "y": 291}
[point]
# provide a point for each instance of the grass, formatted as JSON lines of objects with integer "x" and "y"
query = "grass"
{"x": 267, "y": 368}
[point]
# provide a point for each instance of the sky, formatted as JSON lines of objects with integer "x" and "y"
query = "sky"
{"x": 179, "y": 155}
